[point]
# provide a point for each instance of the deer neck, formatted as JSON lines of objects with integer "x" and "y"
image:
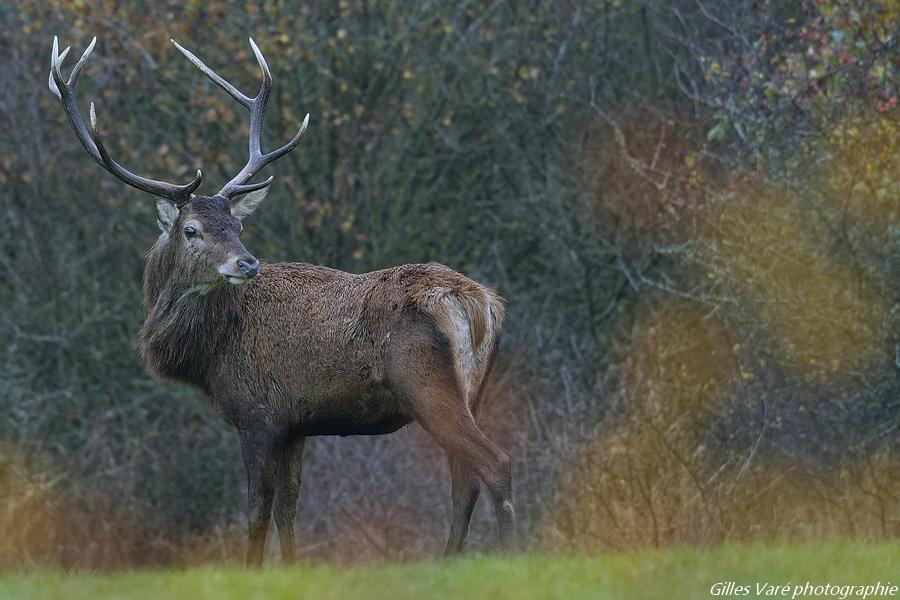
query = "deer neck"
{"x": 187, "y": 326}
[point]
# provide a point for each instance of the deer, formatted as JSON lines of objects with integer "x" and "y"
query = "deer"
{"x": 288, "y": 351}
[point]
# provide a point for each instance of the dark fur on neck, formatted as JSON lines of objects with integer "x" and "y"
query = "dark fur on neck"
{"x": 186, "y": 326}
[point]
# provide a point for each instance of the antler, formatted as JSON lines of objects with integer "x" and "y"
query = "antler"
{"x": 65, "y": 91}
{"x": 257, "y": 108}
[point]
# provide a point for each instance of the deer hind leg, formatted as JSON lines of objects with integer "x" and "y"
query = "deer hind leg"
{"x": 425, "y": 381}
{"x": 455, "y": 430}
{"x": 494, "y": 467}
{"x": 464, "y": 492}
{"x": 287, "y": 491}
{"x": 260, "y": 460}
{"x": 464, "y": 485}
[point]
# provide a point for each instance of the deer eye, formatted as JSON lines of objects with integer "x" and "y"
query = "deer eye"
{"x": 190, "y": 232}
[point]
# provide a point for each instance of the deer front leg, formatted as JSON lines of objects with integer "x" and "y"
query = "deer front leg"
{"x": 260, "y": 461}
{"x": 287, "y": 490}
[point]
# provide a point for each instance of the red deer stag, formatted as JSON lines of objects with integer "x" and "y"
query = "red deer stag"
{"x": 284, "y": 351}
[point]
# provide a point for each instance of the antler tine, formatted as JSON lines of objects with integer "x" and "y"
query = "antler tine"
{"x": 66, "y": 94}
{"x": 65, "y": 91}
{"x": 55, "y": 57}
{"x": 218, "y": 80}
{"x": 76, "y": 70}
{"x": 257, "y": 107}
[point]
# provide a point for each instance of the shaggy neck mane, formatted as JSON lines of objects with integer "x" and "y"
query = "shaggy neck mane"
{"x": 186, "y": 325}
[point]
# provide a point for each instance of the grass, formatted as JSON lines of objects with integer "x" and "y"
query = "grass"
{"x": 673, "y": 573}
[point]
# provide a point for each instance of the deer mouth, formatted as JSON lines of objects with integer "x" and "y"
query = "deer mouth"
{"x": 235, "y": 280}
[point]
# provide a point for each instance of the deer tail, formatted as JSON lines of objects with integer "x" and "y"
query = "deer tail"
{"x": 473, "y": 320}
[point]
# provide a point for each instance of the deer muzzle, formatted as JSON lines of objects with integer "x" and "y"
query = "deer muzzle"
{"x": 249, "y": 267}
{"x": 240, "y": 269}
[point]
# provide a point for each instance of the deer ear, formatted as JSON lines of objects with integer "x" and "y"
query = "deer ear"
{"x": 242, "y": 206}
{"x": 166, "y": 215}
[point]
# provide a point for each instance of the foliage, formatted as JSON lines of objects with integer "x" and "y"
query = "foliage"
{"x": 692, "y": 208}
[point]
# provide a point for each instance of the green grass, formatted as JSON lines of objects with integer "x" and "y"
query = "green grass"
{"x": 674, "y": 573}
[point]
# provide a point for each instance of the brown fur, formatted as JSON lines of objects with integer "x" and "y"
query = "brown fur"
{"x": 304, "y": 350}
{"x": 476, "y": 300}
{"x": 290, "y": 350}
{"x": 318, "y": 322}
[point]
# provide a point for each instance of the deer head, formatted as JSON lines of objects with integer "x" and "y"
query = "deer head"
{"x": 202, "y": 233}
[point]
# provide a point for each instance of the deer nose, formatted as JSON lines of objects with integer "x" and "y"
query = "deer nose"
{"x": 249, "y": 267}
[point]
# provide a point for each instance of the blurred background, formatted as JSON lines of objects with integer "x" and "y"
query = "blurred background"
{"x": 691, "y": 206}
